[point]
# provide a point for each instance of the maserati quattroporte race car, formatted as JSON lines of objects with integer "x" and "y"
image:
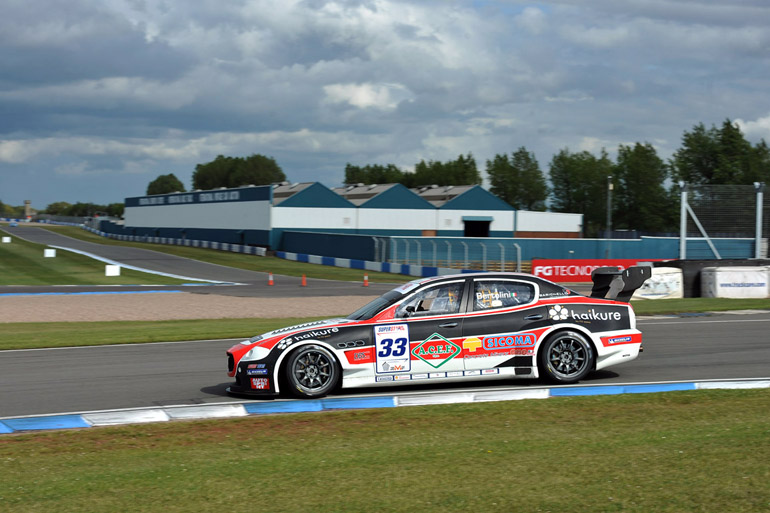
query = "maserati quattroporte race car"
{"x": 449, "y": 328}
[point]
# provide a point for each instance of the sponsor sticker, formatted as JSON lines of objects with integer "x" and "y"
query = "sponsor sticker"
{"x": 582, "y": 314}
{"x": 256, "y": 372}
{"x": 260, "y": 383}
{"x": 471, "y": 344}
{"x": 521, "y": 340}
{"x": 391, "y": 343}
{"x": 436, "y": 350}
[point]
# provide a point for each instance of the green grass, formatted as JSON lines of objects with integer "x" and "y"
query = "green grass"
{"x": 33, "y": 335}
{"x": 697, "y": 305}
{"x": 701, "y": 451}
{"x": 249, "y": 262}
{"x": 23, "y": 263}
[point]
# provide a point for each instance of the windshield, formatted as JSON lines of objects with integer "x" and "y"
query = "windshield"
{"x": 371, "y": 309}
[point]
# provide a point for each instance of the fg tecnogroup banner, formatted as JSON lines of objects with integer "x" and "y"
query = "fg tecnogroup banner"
{"x": 577, "y": 270}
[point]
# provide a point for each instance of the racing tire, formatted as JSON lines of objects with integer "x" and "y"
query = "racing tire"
{"x": 566, "y": 357}
{"x": 312, "y": 371}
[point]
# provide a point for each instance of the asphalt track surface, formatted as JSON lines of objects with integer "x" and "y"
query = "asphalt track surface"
{"x": 253, "y": 284}
{"x": 33, "y": 382}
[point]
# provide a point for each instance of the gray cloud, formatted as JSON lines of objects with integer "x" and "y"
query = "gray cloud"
{"x": 96, "y": 94}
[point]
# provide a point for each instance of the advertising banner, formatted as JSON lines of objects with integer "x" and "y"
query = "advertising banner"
{"x": 665, "y": 283}
{"x": 577, "y": 270}
{"x": 735, "y": 282}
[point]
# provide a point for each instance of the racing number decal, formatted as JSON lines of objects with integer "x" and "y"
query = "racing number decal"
{"x": 391, "y": 344}
{"x": 392, "y": 348}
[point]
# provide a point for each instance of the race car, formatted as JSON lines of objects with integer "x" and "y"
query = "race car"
{"x": 480, "y": 326}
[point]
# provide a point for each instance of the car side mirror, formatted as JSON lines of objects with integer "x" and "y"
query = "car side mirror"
{"x": 409, "y": 311}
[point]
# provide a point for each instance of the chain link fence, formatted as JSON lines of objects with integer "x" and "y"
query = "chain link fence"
{"x": 725, "y": 212}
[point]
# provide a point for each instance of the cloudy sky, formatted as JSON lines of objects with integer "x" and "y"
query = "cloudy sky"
{"x": 99, "y": 97}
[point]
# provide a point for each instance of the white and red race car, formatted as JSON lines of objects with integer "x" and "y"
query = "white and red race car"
{"x": 450, "y": 328}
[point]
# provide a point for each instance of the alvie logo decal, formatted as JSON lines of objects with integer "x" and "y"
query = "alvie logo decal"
{"x": 436, "y": 350}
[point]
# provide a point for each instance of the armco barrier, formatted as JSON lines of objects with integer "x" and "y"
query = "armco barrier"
{"x": 205, "y": 244}
{"x": 226, "y": 410}
{"x": 385, "y": 267}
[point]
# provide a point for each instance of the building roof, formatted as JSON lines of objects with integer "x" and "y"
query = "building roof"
{"x": 391, "y": 195}
{"x": 307, "y": 194}
{"x": 461, "y": 197}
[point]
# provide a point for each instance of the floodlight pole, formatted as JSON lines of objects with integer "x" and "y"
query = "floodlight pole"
{"x": 683, "y": 221}
{"x": 610, "y": 186}
{"x": 760, "y": 188}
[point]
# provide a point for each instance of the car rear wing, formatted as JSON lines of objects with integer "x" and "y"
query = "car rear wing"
{"x": 612, "y": 283}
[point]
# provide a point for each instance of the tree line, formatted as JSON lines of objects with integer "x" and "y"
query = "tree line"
{"x": 645, "y": 187}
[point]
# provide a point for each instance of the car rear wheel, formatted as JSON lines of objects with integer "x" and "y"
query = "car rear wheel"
{"x": 312, "y": 371}
{"x": 566, "y": 357}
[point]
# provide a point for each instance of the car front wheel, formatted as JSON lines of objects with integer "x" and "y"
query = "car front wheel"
{"x": 566, "y": 357}
{"x": 312, "y": 371}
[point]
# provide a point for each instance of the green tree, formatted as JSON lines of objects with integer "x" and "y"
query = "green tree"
{"x": 58, "y": 208}
{"x": 518, "y": 180}
{"x": 462, "y": 171}
{"x": 641, "y": 202}
{"x": 165, "y": 184}
{"x": 116, "y": 209}
{"x": 579, "y": 185}
{"x": 236, "y": 171}
{"x": 373, "y": 174}
{"x": 720, "y": 156}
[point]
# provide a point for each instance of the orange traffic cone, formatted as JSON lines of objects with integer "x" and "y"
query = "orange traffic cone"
{"x": 366, "y": 280}
{"x": 270, "y": 279}
{"x": 304, "y": 281}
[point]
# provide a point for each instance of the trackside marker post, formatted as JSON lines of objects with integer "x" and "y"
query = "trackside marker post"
{"x": 366, "y": 280}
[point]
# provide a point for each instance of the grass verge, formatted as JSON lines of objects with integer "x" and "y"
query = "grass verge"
{"x": 697, "y": 305}
{"x": 249, "y": 262}
{"x": 673, "y": 452}
{"x": 34, "y": 335}
{"x": 23, "y": 263}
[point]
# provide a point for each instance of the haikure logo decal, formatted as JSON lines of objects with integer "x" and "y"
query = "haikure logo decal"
{"x": 436, "y": 350}
{"x": 562, "y": 313}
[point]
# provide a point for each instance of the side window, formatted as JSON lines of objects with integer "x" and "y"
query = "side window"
{"x": 439, "y": 300}
{"x": 489, "y": 294}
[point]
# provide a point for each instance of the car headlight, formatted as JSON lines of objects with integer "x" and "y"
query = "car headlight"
{"x": 256, "y": 353}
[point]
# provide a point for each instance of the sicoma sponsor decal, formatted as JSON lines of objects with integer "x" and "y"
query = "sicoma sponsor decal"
{"x": 562, "y": 313}
{"x": 507, "y": 341}
{"x": 436, "y": 350}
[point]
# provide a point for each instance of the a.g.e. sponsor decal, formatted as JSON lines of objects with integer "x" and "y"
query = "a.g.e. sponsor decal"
{"x": 260, "y": 383}
{"x": 436, "y": 350}
{"x": 518, "y": 340}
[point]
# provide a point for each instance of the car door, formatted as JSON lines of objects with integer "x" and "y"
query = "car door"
{"x": 424, "y": 340}
{"x": 495, "y": 328}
